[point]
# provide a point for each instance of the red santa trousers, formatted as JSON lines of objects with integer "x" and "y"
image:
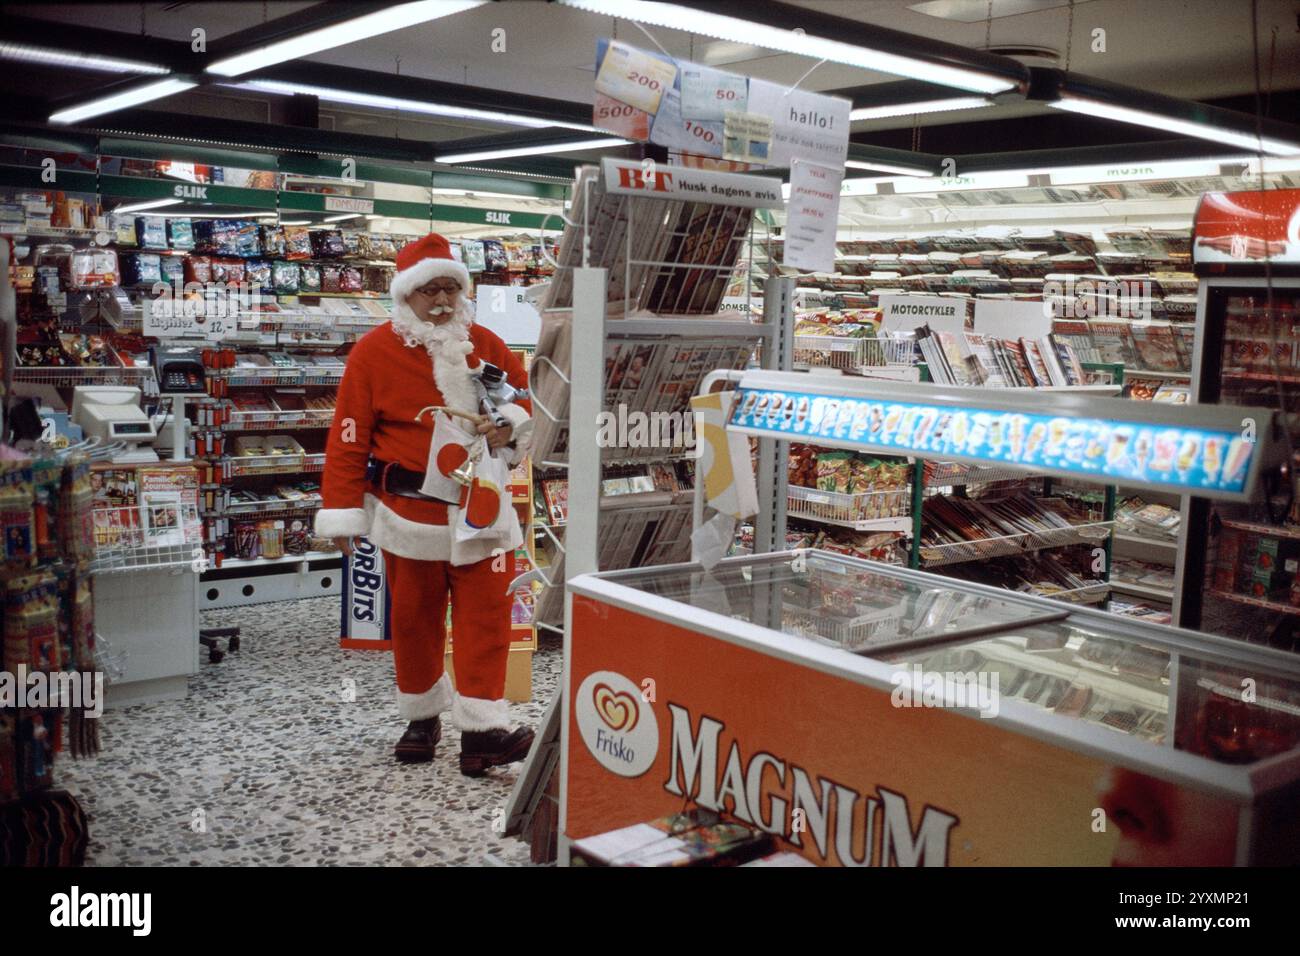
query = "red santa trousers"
{"x": 480, "y": 623}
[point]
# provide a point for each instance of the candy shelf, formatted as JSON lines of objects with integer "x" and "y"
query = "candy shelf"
{"x": 245, "y": 466}
{"x": 861, "y": 511}
{"x": 268, "y": 509}
{"x": 952, "y": 474}
{"x": 1094, "y": 533}
{"x": 272, "y": 420}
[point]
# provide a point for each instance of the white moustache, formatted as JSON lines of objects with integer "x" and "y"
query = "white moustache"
{"x": 440, "y": 309}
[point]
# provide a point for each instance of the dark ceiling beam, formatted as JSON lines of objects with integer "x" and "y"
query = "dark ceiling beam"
{"x": 266, "y": 137}
{"x": 173, "y": 54}
{"x": 428, "y": 91}
{"x": 294, "y": 24}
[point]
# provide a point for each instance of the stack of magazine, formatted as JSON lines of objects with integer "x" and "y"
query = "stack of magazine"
{"x": 969, "y": 358}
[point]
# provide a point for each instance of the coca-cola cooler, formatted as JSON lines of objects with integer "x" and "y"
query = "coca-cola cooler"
{"x": 1239, "y": 567}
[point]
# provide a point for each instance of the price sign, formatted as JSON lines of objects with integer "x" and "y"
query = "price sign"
{"x": 190, "y": 318}
{"x": 627, "y": 121}
{"x": 709, "y": 94}
{"x": 691, "y": 136}
{"x": 634, "y": 77}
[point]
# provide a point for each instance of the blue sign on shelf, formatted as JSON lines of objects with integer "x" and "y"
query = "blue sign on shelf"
{"x": 1117, "y": 451}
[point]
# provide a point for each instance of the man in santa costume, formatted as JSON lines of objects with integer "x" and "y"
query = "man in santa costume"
{"x": 375, "y": 464}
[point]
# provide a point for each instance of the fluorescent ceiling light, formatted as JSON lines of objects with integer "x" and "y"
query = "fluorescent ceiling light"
{"x": 925, "y": 106}
{"x": 722, "y": 27}
{"x": 407, "y": 106}
{"x": 138, "y": 206}
{"x": 122, "y": 100}
{"x": 398, "y": 16}
{"x": 294, "y": 222}
{"x": 445, "y": 191}
{"x": 343, "y": 218}
{"x": 889, "y": 168}
{"x": 531, "y": 150}
{"x": 185, "y": 214}
{"x": 1172, "y": 124}
{"x": 27, "y": 53}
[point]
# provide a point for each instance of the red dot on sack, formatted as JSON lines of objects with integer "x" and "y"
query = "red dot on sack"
{"x": 451, "y": 457}
{"x": 483, "y": 504}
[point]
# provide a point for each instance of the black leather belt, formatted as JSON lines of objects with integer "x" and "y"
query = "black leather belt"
{"x": 391, "y": 477}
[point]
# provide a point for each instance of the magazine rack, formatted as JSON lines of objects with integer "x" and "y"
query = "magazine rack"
{"x": 641, "y": 272}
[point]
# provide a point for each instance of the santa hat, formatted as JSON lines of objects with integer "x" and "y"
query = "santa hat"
{"x": 420, "y": 262}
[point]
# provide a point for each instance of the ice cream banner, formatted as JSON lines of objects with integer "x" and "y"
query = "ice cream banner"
{"x": 1122, "y": 452}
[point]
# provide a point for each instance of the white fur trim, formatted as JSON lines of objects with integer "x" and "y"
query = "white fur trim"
{"x": 433, "y": 542}
{"x": 424, "y": 272}
{"x": 342, "y": 522}
{"x": 407, "y": 538}
{"x": 431, "y": 703}
{"x": 521, "y": 433}
{"x": 448, "y": 345}
{"x": 474, "y": 713}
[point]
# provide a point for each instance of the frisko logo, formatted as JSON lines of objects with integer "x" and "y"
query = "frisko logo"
{"x": 617, "y": 724}
{"x": 618, "y": 710}
{"x": 775, "y": 795}
{"x": 501, "y": 218}
{"x": 631, "y": 177}
{"x": 190, "y": 192}
{"x": 367, "y": 581}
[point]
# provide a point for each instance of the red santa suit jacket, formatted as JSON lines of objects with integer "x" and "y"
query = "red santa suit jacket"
{"x": 386, "y": 383}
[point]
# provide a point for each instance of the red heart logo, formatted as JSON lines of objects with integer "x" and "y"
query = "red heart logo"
{"x": 618, "y": 709}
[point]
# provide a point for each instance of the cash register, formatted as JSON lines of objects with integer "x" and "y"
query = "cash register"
{"x": 113, "y": 413}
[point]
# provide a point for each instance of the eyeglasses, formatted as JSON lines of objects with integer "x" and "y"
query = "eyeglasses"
{"x": 447, "y": 288}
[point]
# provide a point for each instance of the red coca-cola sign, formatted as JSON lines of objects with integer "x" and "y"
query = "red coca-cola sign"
{"x": 1237, "y": 231}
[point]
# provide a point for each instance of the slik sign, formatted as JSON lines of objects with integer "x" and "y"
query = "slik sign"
{"x": 190, "y": 192}
{"x": 496, "y": 217}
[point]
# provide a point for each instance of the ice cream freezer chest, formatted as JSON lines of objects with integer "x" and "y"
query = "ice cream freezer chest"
{"x": 870, "y": 715}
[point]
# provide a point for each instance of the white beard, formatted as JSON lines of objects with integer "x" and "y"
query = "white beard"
{"x": 447, "y": 344}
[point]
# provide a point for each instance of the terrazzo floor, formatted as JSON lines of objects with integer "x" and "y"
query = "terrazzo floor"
{"x": 266, "y": 763}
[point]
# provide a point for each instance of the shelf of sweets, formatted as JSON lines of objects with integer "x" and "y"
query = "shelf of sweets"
{"x": 863, "y": 511}
{"x": 952, "y": 474}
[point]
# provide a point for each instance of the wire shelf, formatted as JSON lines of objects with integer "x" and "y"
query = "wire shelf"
{"x": 848, "y": 633}
{"x": 71, "y": 377}
{"x": 153, "y": 537}
{"x": 244, "y": 465}
{"x": 240, "y": 509}
{"x": 243, "y": 378}
{"x": 1094, "y": 593}
{"x": 954, "y": 474}
{"x": 857, "y": 510}
{"x": 937, "y": 555}
{"x": 843, "y": 352}
{"x": 271, "y": 420}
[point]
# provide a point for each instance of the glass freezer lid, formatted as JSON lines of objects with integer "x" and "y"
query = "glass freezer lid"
{"x": 1234, "y": 715}
{"x": 835, "y": 600}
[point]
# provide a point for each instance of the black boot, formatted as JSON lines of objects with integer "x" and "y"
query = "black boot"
{"x": 481, "y": 749}
{"x": 418, "y": 743}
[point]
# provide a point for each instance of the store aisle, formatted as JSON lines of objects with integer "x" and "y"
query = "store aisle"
{"x": 265, "y": 763}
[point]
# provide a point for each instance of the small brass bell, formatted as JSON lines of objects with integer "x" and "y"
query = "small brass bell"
{"x": 464, "y": 473}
